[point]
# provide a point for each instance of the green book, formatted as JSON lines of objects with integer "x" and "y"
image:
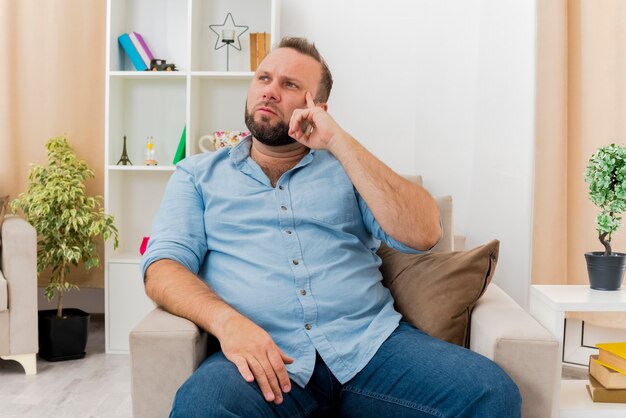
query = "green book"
{"x": 182, "y": 146}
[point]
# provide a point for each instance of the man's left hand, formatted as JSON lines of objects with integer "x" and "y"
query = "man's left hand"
{"x": 313, "y": 126}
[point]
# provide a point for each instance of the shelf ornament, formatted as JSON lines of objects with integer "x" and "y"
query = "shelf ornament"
{"x": 124, "y": 160}
{"x": 150, "y": 153}
{"x": 228, "y": 34}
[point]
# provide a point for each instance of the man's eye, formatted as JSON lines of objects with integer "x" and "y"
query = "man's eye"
{"x": 292, "y": 86}
{"x": 264, "y": 78}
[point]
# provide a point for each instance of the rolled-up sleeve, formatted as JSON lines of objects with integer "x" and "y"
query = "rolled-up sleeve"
{"x": 377, "y": 232}
{"x": 178, "y": 231}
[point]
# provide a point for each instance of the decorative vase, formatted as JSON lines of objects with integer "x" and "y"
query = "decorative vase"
{"x": 63, "y": 339}
{"x": 606, "y": 272}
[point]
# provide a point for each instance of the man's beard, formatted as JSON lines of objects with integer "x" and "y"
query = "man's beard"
{"x": 272, "y": 136}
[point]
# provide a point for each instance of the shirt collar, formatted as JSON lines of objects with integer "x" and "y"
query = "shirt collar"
{"x": 240, "y": 152}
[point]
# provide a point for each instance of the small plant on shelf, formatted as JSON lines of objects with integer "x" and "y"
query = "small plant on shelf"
{"x": 606, "y": 175}
{"x": 66, "y": 219}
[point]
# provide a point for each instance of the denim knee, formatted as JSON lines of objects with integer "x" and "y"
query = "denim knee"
{"x": 217, "y": 390}
{"x": 500, "y": 395}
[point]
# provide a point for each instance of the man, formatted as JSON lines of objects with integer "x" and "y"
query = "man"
{"x": 271, "y": 247}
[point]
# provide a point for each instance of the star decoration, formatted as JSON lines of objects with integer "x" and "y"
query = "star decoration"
{"x": 239, "y": 30}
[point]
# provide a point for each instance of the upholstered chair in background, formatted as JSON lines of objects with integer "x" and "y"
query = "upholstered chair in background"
{"x": 18, "y": 293}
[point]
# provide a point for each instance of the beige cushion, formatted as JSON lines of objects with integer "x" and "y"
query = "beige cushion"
{"x": 414, "y": 179}
{"x": 444, "y": 203}
{"x": 446, "y": 243}
{"x": 436, "y": 292}
{"x": 4, "y": 298}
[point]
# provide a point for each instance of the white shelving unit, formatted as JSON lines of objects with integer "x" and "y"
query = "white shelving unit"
{"x": 201, "y": 95}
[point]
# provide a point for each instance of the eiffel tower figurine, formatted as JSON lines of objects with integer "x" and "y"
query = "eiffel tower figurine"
{"x": 124, "y": 160}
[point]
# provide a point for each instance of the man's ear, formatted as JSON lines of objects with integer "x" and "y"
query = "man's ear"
{"x": 323, "y": 106}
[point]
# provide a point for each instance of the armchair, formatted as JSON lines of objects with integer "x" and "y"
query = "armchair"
{"x": 166, "y": 349}
{"x": 18, "y": 293}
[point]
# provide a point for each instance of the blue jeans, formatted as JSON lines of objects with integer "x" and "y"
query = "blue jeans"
{"x": 411, "y": 375}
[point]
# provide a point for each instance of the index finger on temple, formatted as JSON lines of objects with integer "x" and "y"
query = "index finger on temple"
{"x": 309, "y": 99}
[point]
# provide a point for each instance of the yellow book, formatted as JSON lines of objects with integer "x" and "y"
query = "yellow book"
{"x": 608, "y": 378}
{"x": 613, "y": 356}
{"x": 601, "y": 394}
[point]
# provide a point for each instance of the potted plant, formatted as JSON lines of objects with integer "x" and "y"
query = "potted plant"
{"x": 67, "y": 223}
{"x": 606, "y": 175}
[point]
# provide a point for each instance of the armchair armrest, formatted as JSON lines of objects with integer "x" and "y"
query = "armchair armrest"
{"x": 502, "y": 331}
{"x": 19, "y": 268}
{"x": 164, "y": 351}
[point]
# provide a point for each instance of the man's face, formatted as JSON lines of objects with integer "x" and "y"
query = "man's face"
{"x": 278, "y": 88}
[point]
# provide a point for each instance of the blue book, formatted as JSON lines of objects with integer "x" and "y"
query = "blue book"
{"x": 132, "y": 53}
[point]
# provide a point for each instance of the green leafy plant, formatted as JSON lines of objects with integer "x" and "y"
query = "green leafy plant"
{"x": 606, "y": 175}
{"x": 66, "y": 219}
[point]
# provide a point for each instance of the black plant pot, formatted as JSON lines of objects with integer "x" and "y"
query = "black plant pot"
{"x": 63, "y": 339}
{"x": 606, "y": 272}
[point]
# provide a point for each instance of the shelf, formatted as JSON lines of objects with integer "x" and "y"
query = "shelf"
{"x": 246, "y": 75}
{"x": 579, "y": 298}
{"x": 181, "y": 74}
{"x": 141, "y": 168}
{"x": 148, "y": 74}
{"x": 575, "y": 402}
{"x": 163, "y": 24}
{"x": 134, "y": 198}
{"x": 256, "y": 14}
{"x": 140, "y": 107}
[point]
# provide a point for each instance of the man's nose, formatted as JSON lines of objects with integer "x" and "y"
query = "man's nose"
{"x": 270, "y": 93}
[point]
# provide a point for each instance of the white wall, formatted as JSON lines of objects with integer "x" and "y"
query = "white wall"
{"x": 451, "y": 97}
{"x": 374, "y": 76}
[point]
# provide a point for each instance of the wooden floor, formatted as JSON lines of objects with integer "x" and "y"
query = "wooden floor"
{"x": 96, "y": 386}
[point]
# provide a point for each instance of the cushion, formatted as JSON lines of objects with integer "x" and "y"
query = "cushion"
{"x": 4, "y": 200}
{"x": 446, "y": 243}
{"x": 436, "y": 292}
{"x": 414, "y": 179}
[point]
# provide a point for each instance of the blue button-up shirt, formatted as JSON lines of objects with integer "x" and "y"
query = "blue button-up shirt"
{"x": 298, "y": 259}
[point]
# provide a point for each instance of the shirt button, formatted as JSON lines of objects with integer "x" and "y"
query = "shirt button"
{"x": 295, "y": 262}
{"x": 281, "y": 188}
{"x": 308, "y": 327}
{"x": 288, "y": 232}
{"x": 283, "y": 208}
{"x": 302, "y": 292}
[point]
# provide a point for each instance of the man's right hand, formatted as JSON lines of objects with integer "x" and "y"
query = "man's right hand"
{"x": 248, "y": 346}
{"x": 256, "y": 356}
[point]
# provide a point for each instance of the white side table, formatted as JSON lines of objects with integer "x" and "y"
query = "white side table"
{"x": 548, "y": 304}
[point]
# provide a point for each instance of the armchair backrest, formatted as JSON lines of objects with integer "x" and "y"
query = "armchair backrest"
{"x": 445, "y": 211}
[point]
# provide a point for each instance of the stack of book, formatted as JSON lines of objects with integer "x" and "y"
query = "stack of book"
{"x": 136, "y": 49}
{"x": 607, "y": 373}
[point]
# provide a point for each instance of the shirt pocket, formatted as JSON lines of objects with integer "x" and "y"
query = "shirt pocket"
{"x": 331, "y": 201}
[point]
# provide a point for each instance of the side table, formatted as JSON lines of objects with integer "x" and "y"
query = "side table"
{"x": 548, "y": 304}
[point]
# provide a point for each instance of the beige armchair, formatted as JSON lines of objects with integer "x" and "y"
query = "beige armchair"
{"x": 166, "y": 349}
{"x": 18, "y": 293}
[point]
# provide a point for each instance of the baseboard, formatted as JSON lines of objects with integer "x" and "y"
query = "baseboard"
{"x": 88, "y": 299}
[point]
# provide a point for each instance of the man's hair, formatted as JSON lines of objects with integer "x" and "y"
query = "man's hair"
{"x": 303, "y": 46}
